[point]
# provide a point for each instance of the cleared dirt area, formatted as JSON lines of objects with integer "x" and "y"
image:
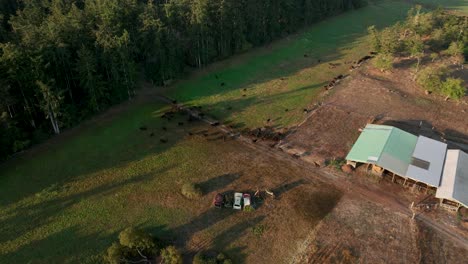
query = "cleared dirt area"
{"x": 299, "y": 204}
{"x": 358, "y": 231}
{"x": 390, "y": 98}
{"x": 364, "y": 231}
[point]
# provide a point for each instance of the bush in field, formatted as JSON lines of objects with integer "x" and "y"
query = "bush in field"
{"x": 171, "y": 255}
{"x": 383, "y": 62}
{"x": 249, "y": 208}
{"x": 222, "y": 259}
{"x": 336, "y": 163}
{"x": 202, "y": 258}
{"x": 191, "y": 191}
{"x": 430, "y": 78}
{"x": 115, "y": 253}
{"x": 434, "y": 56}
{"x": 390, "y": 40}
{"x": 456, "y": 51}
{"x": 258, "y": 230}
{"x": 453, "y": 88}
{"x": 386, "y": 41}
{"x": 374, "y": 38}
{"x": 134, "y": 245}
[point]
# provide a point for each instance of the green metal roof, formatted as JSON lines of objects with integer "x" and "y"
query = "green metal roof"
{"x": 386, "y": 146}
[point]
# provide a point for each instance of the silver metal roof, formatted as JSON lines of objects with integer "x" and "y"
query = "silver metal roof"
{"x": 427, "y": 161}
{"x": 454, "y": 185}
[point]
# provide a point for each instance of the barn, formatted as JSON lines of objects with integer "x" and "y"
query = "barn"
{"x": 383, "y": 148}
{"x": 453, "y": 190}
{"x": 417, "y": 160}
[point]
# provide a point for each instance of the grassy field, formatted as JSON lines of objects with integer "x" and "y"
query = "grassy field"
{"x": 279, "y": 81}
{"x": 459, "y": 6}
{"x": 65, "y": 201}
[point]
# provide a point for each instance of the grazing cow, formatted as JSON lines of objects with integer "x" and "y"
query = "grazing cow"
{"x": 162, "y": 140}
{"x": 223, "y": 84}
{"x": 180, "y": 123}
{"x": 268, "y": 120}
{"x": 143, "y": 128}
{"x": 190, "y": 133}
{"x": 286, "y": 110}
{"x": 244, "y": 95}
{"x": 164, "y": 128}
{"x": 174, "y": 101}
{"x": 152, "y": 135}
{"x": 306, "y": 55}
{"x": 216, "y": 76}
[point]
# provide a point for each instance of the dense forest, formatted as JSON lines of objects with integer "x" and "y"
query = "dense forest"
{"x": 62, "y": 61}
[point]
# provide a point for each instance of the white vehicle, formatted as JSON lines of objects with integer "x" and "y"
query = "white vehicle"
{"x": 237, "y": 201}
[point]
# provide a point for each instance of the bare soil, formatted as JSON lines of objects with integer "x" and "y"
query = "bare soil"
{"x": 363, "y": 230}
{"x": 390, "y": 98}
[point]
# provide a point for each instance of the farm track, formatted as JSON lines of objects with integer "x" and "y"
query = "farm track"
{"x": 325, "y": 176}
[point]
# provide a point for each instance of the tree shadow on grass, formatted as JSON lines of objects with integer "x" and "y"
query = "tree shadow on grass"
{"x": 114, "y": 143}
{"x": 324, "y": 42}
{"x": 64, "y": 246}
{"x": 284, "y": 188}
{"x": 32, "y": 217}
{"x": 218, "y": 182}
{"x": 223, "y": 241}
{"x": 314, "y": 206}
{"x": 182, "y": 234}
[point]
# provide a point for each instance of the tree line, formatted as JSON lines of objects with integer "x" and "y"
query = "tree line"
{"x": 63, "y": 61}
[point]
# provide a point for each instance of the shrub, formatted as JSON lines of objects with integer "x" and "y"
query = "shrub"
{"x": 374, "y": 38}
{"x": 170, "y": 255}
{"x": 191, "y": 191}
{"x": 454, "y": 49}
{"x": 383, "y": 62}
{"x": 115, "y": 253}
{"x": 249, "y": 208}
{"x": 453, "y": 88}
{"x": 390, "y": 40}
{"x": 336, "y": 163}
{"x": 258, "y": 230}
{"x": 136, "y": 239}
{"x": 133, "y": 245}
{"x": 201, "y": 258}
{"x": 220, "y": 257}
{"x": 430, "y": 78}
{"x": 20, "y": 145}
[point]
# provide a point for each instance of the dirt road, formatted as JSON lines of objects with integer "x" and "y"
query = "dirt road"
{"x": 339, "y": 180}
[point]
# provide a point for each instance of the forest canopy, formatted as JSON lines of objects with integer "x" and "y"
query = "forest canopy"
{"x": 62, "y": 61}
